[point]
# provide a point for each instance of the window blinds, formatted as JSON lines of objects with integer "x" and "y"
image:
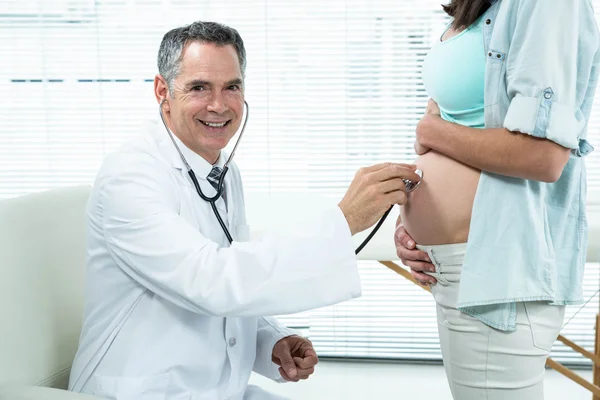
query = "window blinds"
{"x": 333, "y": 86}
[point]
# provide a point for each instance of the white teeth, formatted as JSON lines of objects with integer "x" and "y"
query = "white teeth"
{"x": 214, "y": 125}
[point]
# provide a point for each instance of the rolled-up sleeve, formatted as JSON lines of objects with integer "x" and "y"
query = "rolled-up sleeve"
{"x": 550, "y": 69}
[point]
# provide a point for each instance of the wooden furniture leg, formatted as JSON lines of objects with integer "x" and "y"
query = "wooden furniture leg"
{"x": 597, "y": 353}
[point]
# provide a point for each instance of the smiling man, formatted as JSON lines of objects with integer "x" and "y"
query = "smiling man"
{"x": 205, "y": 126}
{"x": 173, "y": 307}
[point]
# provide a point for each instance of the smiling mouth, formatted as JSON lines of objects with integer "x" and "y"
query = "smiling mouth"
{"x": 215, "y": 124}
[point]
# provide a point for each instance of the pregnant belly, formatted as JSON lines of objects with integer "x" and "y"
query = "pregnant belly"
{"x": 439, "y": 211}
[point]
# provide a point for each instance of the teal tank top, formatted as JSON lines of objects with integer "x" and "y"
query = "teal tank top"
{"x": 454, "y": 76}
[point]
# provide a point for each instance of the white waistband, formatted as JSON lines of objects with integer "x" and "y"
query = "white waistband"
{"x": 446, "y": 253}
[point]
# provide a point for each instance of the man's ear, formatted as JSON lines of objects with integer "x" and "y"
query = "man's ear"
{"x": 161, "y": 92}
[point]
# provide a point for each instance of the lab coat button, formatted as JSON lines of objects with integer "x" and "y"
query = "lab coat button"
{"x": 232, "y": 341}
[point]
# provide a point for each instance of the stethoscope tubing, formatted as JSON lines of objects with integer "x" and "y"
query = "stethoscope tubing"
{"x": 212, "y": 199}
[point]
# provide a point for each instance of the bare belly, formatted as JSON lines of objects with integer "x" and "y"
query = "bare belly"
{"x": 439, "y": 210}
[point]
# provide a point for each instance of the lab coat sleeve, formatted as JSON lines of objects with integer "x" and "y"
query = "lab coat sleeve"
{"x": 270, "y": 331}
{"x": 311, "y": 264}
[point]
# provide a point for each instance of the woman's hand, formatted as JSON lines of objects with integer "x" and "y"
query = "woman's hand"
{"x": 417, "y": 260}
{"x": 432, "y": 109}
{"x": 420, "y": 149}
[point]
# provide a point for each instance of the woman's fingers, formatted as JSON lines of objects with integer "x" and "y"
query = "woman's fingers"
{"x": 422, "y": 278}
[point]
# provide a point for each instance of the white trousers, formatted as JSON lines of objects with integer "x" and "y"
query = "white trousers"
{"x": 483, "y": 363}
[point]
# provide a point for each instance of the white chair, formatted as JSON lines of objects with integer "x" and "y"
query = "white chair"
{"x": 42, "y": 265}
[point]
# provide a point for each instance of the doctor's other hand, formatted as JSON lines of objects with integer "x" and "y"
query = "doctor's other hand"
{"x": 373, "y": 191}
{"x": 296, "y": 358}
{"x": 418, "y": 261}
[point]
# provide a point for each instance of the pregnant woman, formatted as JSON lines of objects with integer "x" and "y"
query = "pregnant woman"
{"x": 499, "y": 218}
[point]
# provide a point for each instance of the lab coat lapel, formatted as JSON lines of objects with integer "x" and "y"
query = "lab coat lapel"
{"x": 232, "y": 197}
{"x": 170, "y": 154}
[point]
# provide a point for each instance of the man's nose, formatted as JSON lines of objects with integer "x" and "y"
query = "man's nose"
{"x": 217, "y": 103}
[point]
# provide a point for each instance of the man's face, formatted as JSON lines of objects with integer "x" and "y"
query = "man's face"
{"x": 206, "y": 106}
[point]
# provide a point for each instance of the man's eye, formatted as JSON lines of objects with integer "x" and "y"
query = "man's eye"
{"x": 234, "y": 87}
{"x": 198, "y": 88}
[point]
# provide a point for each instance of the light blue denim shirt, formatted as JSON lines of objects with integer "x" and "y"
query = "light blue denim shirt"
{"x": 528, "y": 239}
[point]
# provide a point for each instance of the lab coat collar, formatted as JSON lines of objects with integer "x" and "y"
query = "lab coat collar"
{"x": 200, "y": 166}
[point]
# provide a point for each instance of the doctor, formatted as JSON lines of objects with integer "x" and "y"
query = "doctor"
{"x": 173, "y": 311}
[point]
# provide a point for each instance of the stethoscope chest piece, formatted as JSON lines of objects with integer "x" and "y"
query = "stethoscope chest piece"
{"x": 412, "y": 186}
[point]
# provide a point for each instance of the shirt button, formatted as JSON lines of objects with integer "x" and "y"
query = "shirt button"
{"x": 548, "y": 95}
{"x": 488, "y": 21}
{"x": 490, "y": 54}
{"x": 232, "y": 341}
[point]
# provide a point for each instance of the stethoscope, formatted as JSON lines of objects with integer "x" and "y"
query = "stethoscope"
{"x": 212, "y": 200}
{"x": 409, "y": 185}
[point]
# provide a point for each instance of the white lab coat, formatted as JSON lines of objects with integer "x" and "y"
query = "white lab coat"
{"x": 172, "y": 311}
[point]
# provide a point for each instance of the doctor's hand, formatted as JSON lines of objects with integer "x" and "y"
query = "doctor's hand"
{"x": 296, "y": 358}
{"x": 373, "y": 191}
{"x": 418, "y": 261}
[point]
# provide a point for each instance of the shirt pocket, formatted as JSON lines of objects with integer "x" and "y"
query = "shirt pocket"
{"x": 153, "y": 387}
{"x": 495, "y": 75}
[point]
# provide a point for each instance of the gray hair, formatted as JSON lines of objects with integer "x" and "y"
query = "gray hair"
{"x": 174, "y": 41}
